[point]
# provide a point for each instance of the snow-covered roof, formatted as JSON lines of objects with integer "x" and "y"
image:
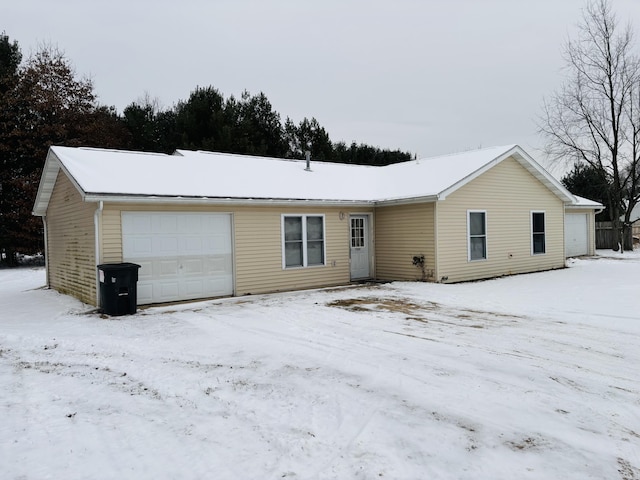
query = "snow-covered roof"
{"x": 101, "y": 174}
{"x": 581, "y": 202}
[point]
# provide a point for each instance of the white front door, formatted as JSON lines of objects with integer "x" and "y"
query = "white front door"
{"x": 184, "y": 256}
{"x": 359, "y": 238}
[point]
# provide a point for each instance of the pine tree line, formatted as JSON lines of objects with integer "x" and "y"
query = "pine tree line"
{"x": 249, "y": 125}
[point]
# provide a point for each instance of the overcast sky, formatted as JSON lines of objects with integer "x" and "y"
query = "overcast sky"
{"x": 425, "y": 76}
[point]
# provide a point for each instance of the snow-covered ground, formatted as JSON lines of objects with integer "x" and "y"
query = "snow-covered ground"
{"x": 531, "y": 376}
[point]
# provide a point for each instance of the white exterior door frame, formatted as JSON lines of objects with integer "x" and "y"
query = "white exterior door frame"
{"x": 360, "y": 246}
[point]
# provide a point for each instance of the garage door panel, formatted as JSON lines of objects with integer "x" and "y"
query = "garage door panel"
{"x": 140, "y": 224}
{"x": 218, "y": 284}
{"x": 166, "y": 244}
{"x": 218, "y": 264}
{"x": 194, "y": 245}
{"x": 145, "y": 292}
{"x": 218, "y": 243}
{"x": 576, "y": 235}
{"x": 193, "y": 266}
{"x": 165, "y": 224}
{"x": 168, "y": 290}
{"x": 166, "y": 268}
{"x": 194, "y": 289}
{"x": 183, "y": 255}
{"x": 138, "y": 246}
{"x": 146, "y": 269}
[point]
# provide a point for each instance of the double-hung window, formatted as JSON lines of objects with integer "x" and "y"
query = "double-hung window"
{"x": 537, "y": 233}
{"x": 477, "y": 234}
{"x": 303, "y": 240}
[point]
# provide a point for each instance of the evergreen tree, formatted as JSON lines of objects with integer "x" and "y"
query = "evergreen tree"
{"x": 367, "y": 155}
{"x": 45, "y": 105}
{"x": 308, "y": 135}
{"x": 201, "y": 122}
{"x": 256, "y": 127}
{"x": 589, "y": 182}
{"x": 10, "y": 58}
{"x": 150, "y": 128}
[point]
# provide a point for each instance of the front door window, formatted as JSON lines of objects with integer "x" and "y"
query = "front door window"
{"x": 357, "y": 232}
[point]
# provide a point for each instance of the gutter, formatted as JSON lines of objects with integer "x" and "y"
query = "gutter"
{"x": 407, "y": 201}
{"x": 89, "y": 197}
{"x": 281, "y": 202}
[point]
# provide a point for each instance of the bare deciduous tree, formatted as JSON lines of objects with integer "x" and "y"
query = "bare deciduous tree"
{"x": 594, "y": 118}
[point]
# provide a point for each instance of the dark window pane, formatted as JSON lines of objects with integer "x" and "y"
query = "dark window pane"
{"x": 478, "y": 248}
{"x": 293, "y": 254}
{"x": 476, "y": 223}
{"x": 538, "y": 243}
{"x": 314, "y": 228}
{"x": 292, "y": 229}
{"x": 315, "y": 253}
{"x": 538, "y": 222}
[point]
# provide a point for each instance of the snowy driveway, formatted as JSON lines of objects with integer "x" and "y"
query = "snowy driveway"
{"x": 533, "y": 376}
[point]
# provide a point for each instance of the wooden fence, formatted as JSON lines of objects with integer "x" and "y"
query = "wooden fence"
{"x": 604, "y": 237}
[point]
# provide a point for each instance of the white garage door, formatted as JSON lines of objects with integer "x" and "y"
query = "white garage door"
{"x": 576, "y": 234}
{"x": 183, "y": 256}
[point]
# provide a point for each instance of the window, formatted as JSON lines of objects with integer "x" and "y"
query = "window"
{"x": 357, "y": 232}
{"x": 537, "y": 233}
{"x": 303, "y": 240}
{"x": 477, "y": 228}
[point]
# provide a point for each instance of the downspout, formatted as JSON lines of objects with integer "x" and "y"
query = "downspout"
{"x": 46, "y": 251}
{"x": 436, "y": 260}
{"x": 97, "y": 216}
{"x": 564, "y": 232}
{"x": 592, "y": 231}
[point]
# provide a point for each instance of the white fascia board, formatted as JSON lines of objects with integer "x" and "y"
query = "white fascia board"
{"x": 96, "y": 197}
{"x": 52, "y": 167}
{"x": 406, "y": 201}
{"x": 47, "y": 182}
{"x": 584, "y": 207}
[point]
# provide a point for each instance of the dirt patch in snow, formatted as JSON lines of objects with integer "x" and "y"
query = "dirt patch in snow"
{"x": 400, "y": 305}
{"x": 426, "y": 312}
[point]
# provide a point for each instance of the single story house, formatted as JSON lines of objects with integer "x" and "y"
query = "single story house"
{"x": 205, "y": 224}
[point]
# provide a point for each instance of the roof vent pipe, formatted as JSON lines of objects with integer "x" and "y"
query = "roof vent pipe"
{"x": 307, "y": 154}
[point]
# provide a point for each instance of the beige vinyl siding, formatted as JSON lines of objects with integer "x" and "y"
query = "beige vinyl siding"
{"x": 508, "y": 193}
{"x": 402, "y": 232}
{"x": 257, "y": 241}
{"x": 591, "y": 226}
{"x": 71, "y": 242}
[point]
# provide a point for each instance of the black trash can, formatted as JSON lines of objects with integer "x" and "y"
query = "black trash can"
{"x": 118, "y": 288}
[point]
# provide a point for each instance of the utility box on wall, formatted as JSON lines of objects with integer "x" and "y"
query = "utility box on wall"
{"x": 118, "y": 288}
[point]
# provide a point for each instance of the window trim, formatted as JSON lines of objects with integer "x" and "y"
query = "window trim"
{"x": 486, "y": 236}
{"x": 303, "y": 217}
{"x": 544, "y": 232}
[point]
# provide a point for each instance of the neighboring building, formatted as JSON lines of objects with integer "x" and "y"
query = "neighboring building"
{"x": 634, "y": 219}
{"x": 580, "y": 227}
{"x": 210, "y": 224}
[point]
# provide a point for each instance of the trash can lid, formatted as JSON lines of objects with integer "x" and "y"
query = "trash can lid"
{"x": 118, "y": 266}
